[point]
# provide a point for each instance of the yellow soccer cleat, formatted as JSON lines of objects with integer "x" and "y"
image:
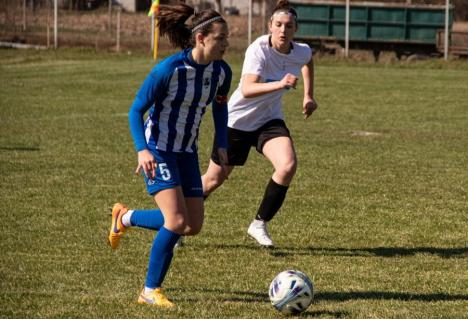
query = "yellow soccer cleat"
{"x": 117, "y": 228}
{"x": 155, "y": 298}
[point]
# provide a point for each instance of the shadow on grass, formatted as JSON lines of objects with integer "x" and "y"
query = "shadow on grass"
{"x": 20, "y": 148}
{"x": 456, "y": 252}
{"x": 384, "y": 295}
{"x": 224, "y": 295}
{"x": 318, "y": 314}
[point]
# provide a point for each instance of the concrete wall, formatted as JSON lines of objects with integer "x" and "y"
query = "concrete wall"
{"x": 134, "y": 5}
{"x": 128, "y": 5}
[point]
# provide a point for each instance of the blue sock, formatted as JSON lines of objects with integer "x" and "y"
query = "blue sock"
{"x": 160, "y": 257}
{"x": 150, "y": 219}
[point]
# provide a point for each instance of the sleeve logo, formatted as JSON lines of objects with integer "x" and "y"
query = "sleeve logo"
{"x": 221, "y": 99}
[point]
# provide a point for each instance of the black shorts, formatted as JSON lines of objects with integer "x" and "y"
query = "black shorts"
{"x": 240, "y": 142}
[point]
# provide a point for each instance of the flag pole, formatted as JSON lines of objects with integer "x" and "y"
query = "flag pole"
{"x": 154, "y": 8}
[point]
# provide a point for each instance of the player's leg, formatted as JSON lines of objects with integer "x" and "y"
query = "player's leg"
{"x": 123, "y": 218}
{"x": 280, "y": 152}
{"x": 149, "y": 218}
{"x": 192, "y": 189}
{"x": 167, "y": 176}
{"x": 276, "y": 145}
{"x": 183, "y": 212}
{"x": 213, "y": 177}
{"x": 238, "y": 150}
{"x": 172, "y": 203}
{"x": 154, "y": 219}
{"x": 195, "y": 216}
{"x": 166, "y": 190}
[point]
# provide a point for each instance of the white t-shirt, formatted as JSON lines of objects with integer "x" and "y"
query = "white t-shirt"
{"x": 248, "y": 114}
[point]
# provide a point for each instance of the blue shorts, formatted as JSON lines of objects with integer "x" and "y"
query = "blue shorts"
{"x": 176, "y": 169}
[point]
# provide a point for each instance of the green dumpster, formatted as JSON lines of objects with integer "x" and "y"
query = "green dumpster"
{"x": 403, "y": 28}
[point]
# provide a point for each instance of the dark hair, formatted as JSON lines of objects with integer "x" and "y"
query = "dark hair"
{"x": 284, "y": 6}
{"x": 172, "y": 19}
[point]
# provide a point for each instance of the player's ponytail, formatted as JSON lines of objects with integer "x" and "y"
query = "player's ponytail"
{"x": 172, "y": 23}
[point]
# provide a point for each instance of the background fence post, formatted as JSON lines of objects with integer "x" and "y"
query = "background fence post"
{"x": 24, "y": 15}
{"x": 55, "y": 24}
{"x": 249, "y": 36}
{"x": 109, "y": 21}
{"x": 117, "y": 46}
{"x": 347, "y": 29}
{"x": 48, "y": 7}
{"x": 446, "y": 33}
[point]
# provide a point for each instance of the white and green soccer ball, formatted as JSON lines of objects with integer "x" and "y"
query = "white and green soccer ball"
{"x": 291, "y": 292}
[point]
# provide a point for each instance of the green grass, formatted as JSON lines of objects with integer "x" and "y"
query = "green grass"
{"x": 378, "y": 221}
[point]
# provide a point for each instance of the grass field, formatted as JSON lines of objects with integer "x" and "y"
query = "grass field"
{"x": 377, "y": 214}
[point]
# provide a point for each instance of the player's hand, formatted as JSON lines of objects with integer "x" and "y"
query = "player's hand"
{"x": 147, "y": 163}
{"x": 289, "y": 81}
{"x": 223, "y": 161}
{"x": 309, "y": 107}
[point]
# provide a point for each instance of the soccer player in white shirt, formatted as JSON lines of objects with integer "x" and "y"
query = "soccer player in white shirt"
{"x": 271, "y": 67}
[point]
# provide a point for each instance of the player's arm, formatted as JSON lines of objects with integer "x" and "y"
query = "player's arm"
{"x": 220, "y": 118}
{"x": 146, "y": 161}
{"x": 252, "y": 85}
{"x": 309, "y": 105}
{"x": 143, "y": 101}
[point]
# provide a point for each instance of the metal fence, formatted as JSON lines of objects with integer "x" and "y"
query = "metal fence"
{"x": 31, "y": 22}
{"x": 101, "y": 28}
{"x": 102, "y": 25}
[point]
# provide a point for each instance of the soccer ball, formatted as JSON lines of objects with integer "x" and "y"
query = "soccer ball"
{"x": 291, "y": 292}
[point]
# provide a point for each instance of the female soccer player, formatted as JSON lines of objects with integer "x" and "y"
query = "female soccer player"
{"x": 271, "y": 67}
{"x": 177, "y": 90}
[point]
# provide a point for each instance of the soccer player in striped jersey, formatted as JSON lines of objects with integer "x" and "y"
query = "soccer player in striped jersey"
{"x": 176, "y": 92}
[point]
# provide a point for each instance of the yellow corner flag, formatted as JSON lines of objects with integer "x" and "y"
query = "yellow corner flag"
{"x": 154, "y": 8}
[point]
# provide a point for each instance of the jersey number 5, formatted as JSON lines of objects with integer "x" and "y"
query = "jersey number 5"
{"x": 165, "y": 172}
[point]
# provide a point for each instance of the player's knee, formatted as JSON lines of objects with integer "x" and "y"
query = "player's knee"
{"x": 215, "y": 180}
{"x": 177, "y": 224}
{"x": 192, "y": 230}
{"x": 287, "y": 169}
{"x": 218, "y": 180}
{"x": 193, "y": 227}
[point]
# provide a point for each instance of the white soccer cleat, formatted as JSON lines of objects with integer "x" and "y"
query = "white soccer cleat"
{"x": 258, "y": 231}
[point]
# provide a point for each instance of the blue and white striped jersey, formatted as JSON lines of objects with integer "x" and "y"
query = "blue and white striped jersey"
{"x": 178, "y": 91}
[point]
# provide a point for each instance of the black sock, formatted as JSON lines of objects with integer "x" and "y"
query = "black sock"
{"x": 272, "y": 201}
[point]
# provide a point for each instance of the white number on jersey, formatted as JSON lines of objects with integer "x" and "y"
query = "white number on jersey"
{"x": 165, "y": 173}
